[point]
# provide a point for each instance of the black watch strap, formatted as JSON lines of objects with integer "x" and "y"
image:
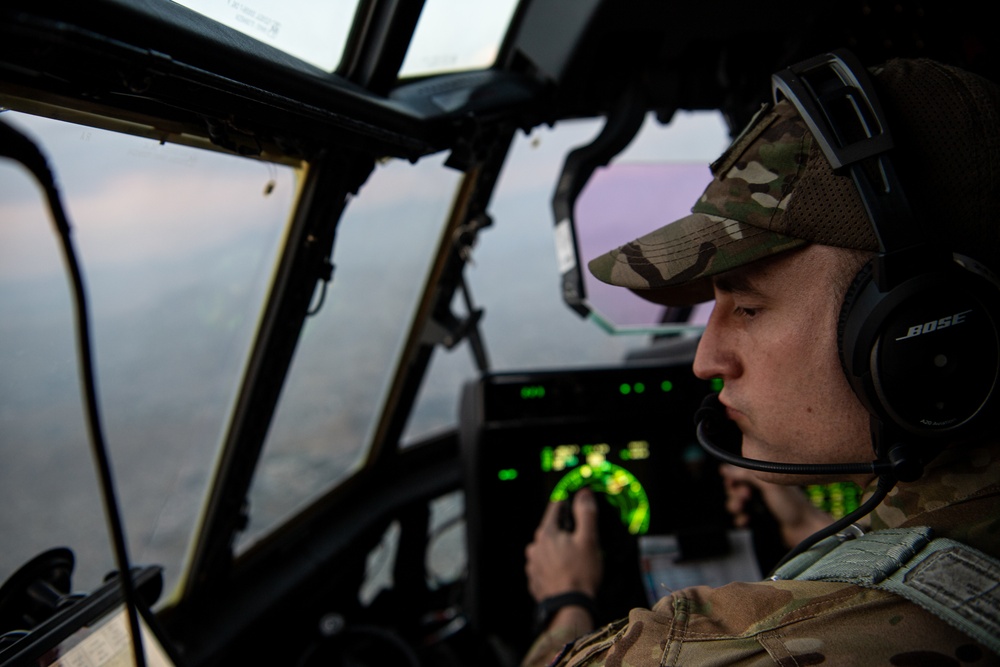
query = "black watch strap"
{"x": 548, "y": 607}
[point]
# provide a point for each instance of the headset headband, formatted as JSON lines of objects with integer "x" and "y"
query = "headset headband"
{"x": 836, "y": 98}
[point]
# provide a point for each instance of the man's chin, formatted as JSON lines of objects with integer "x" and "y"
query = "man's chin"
{"x": 754, "y": 449}
{"x": 786, "y": 478}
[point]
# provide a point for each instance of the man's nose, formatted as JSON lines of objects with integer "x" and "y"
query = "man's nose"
{"x": 715, "y": 357}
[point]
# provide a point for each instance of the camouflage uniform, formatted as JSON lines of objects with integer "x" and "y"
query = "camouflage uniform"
{"x": 809, "y": 623}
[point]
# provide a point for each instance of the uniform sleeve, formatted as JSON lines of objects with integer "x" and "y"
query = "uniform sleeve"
{"x": 559, "y": 647}
{"x": 768, "y": 624}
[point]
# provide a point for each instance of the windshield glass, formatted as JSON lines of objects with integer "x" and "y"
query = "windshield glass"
{"x": 456, "y": 35}
{"x": 451, "y": 35}
{"x": 654, "y": 182}
{"x": 349, "y": 348}
{"x": 514, "y": 273}
{"x": 315, "y": 32}
{"x": 177, "y": 247}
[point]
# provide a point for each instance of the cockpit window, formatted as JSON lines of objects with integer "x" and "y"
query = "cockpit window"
{"x": 457, "y": 35}
{"x": 177, "y": 247}
{"x": 451, "y": 35}
{"x": 527, "y": 325}
{"x": 315, "y": 32}
{"x": 346, "y": 358}
{"x": 654, "y": 182}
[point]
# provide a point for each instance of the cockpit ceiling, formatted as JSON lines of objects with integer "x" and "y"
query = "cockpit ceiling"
{"x": 159, "y": 60}
{"x": 701, "y": 55}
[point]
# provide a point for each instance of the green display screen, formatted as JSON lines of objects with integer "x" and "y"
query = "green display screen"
{"x": 837, "y": 499}
{"x": 587, "y": 466}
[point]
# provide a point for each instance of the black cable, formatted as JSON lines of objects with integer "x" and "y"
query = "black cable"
{"x": 17, "y": 146}
{"x": 860, "y": 468}
{"x": 713, "y": 425}
{"x": 885, "y": 484}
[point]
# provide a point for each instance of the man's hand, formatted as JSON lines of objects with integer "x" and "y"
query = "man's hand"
{"x": 796, "y": 516}
{"x": 558, "y": 561}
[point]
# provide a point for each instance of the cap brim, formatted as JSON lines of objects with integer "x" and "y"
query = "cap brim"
{"x": 674, "y": 264}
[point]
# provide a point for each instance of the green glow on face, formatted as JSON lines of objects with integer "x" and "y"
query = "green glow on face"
{"x": 507, "y": 474}
{"x": 617, "y": 486}
{"x": 625, "y": 389}
{"x": 715, "y": 384}
{"x": 666, "y": 385}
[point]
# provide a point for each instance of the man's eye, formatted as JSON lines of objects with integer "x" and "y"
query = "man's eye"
{"x": 744, "y": 311}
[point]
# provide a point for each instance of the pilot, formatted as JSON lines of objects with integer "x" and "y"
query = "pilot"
{"x": 790, "y": 249}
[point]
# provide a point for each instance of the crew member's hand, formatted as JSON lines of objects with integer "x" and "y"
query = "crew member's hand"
{"x": 560, "y": 562}
{"x": 797, "y": 517}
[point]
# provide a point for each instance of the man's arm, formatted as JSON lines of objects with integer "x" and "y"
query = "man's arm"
{"x": 558, "y": 562}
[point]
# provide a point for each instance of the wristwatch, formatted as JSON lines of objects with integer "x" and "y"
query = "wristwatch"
{"x": 548, "y": 607}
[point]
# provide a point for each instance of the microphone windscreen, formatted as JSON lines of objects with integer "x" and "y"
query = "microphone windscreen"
{"x": 710, "y": 410}
{"x": 713, "y": 420}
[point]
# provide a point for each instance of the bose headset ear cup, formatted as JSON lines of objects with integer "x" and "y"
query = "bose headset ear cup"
{"x": 861, "y": 279}
{"x": 924, "y": 356}
{"x": 858, "y": 377}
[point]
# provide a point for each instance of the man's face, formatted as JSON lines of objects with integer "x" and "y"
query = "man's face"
{"x": 772, "y": 338}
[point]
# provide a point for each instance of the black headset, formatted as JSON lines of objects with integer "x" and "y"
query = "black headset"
{"x": 918, "y": 331}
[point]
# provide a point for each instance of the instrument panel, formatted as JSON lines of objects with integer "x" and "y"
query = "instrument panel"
{"x": 625, "y": 432}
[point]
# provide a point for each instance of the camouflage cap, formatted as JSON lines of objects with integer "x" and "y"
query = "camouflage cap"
{"x": 773, "y": 190}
